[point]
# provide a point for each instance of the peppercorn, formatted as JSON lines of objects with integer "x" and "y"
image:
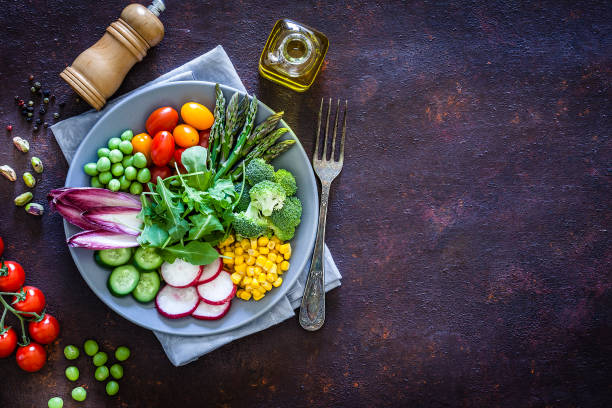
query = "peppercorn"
{"x": 30, "y": 103}
{"x": 9, "y": 128}
{"x": 16, "y": 98}
{"x": 37, "y": 85}
{"x": 45, "y": 100}
{"x": 46, "y": 93}
{"x": 30, "y": 109}
{"x": 33, "y": 90}
{"x": 38, "y": 121}
{"x": 31, "y": 77}
{"x": 28, "y": 119}
{"x": 45, "y": 124}
{"x": 30, "y": 114}
{"x": 42, "y": 110}
{"x": 56, "y": 115}
{"x": 35, "y": 128}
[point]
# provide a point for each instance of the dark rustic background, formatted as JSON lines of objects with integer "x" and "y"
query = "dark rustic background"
{"x": 471, "y": 221}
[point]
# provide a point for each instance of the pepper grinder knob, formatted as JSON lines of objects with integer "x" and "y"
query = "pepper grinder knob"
{"x": 99, "y": 70}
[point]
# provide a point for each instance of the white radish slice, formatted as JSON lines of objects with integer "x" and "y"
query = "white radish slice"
{"x": 205, "y": 311}
{"x": 210, "y": 271}
{"x": 180, "y": 274}
{"x": 175, "y": 303}
{"x": 217, "y": 291}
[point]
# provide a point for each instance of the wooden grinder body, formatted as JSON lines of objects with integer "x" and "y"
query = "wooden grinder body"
{"x": 99, "y": 70}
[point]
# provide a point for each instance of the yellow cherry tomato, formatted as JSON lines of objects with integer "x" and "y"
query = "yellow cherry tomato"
{"x": 142, "y": 143}
{"x": 185, "y": 135}
{"x": 197, "y": 115}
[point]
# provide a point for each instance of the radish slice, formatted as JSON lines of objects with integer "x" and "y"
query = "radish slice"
{"x": 116, "y": 219}
{"x": 102, "y": 240}
{"x": 180, "y": 274}
{"x": 205, "y": 311}
{"x": 175, "y": 303}
{"x": 210, "y": 271}
{"x": 217, "y": 291}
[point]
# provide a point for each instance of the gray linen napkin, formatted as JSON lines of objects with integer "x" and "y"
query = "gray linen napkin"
{"x": 214, "y": 66}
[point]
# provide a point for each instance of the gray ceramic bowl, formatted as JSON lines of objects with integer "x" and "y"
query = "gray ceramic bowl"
{"x": 132, "y": 113}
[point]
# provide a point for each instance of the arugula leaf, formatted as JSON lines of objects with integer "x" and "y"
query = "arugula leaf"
{"x": 194, "y": 160}
{"x": 173, "y": 207}
{"x": 195, "y": 252}
{"x": 203, "y": 225}
{"x": 153, "y": 235}
{"x": 178, "y": 230}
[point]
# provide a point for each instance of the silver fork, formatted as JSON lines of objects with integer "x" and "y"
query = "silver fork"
{"x": 312, "y": 309}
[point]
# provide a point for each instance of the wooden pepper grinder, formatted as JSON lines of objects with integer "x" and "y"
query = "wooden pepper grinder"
{"x": 98, "y": 72}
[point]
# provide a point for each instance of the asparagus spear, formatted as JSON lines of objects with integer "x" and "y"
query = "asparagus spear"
{"x": 231, "y": 115}
{"x": 261, "y": 131}
{"x": 262, "y": 147}
{"x": 271, "y": 154}
{"x": 217, "y": 129}
{"x": 236, "y": 127}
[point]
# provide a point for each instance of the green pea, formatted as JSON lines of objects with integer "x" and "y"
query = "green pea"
{"x": 101, "y": 357}
{"x": 103, "y": 164}
{"x": 71, "y": 352}
{"x": 117, "y": 169}
{"x": 55, "y": 402}
{"x": 136, "y": 188}
{"x": 114, "y": 185}
{"x": 140, "y": 160}
{"x": 128, "y": 160}
{"x": 124, "y": 183}
{"x": 116, "y": 371}
{"x": 113, "y": 143}
{"x": 101, "y": 373}
{"x": 112, "y": 388}
{"x": 130, "y": 173}
{"x": 79, "y": 394}
{"x": 95, "y": 182}
{"x": 91, "y": 169}
{"x": 103, "y": 152}
{"x": 126, "y": 147}
{"x": 127, "y": 135}
{"x": 91, "y": 347}
{"x": 122, "y": 353}
{"x": 72, "y": 373}
{"x": 115, "y": 156}
{"x": 105, "y": 177}
{"x": 143, "y": 176}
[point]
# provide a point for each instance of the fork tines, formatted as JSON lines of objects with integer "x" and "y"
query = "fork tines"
{"x": 324, "y": 158}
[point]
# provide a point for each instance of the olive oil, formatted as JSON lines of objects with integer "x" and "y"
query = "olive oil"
{"x": 293, "y": 55}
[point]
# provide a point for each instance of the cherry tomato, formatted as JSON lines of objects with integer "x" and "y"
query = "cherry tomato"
{"x": 185, "y": 136}
{"x": 8, "y": 342}
{"x": 177, "y": 155}
{"x": 163, "y": 172}
{"x": 204, "y": 138}
{"x": 31, "y": 358}
{"x": 14, "y": 278}
{"x": 164, "y": 118}
{"x": 33, "y": 302}
{"x": 142, "y": 143}
{"x": 46, "y": 330}
{"x": 162, "y": 148}
{"x": 197, "y": 115}
{"x": 1, "y": 246}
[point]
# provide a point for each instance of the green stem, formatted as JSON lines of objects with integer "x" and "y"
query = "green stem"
{"x": 12, "y": 309}
{"x": 2, "y": 320}
{"x": 26, "y": 341}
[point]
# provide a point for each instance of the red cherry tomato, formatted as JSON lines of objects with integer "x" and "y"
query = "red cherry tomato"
{"x": 8, "y": 342}
{"x": 14, "y": 278}
{"x": 164, "y": 118}
{"x": 45, "y": 330}
{"x": 162, "y": 172}
{"x": 162, "y": 149}
{"x": 33, "y": 302}
{"x": 177, "y": 155}
{"x": 31, "y": 358}
{"x": 204, "y": 138}
{"x": 1, "y": 246}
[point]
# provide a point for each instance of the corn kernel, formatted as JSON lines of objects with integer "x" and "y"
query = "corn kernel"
{"x": 279, "y": 259}
{"x": 252, "y": 252}
{"x": 263, "y": 241}
{"x": 250, "y": 271}
{"x": 271, "y": 277}
{"x": 250, "y": 260}
{"x": 287, "y": 255}
{"x": 261, "y": 277}
{"x": 277, "y": 282}
{"x": 246, "y": 281}
{"x": 267, "y": 265}
{"x": 238, "y": 250}
{"x": 284, "y": 266}
{"x": 245, "y": 295}
{"x": 264, "y": 250}
{"x": 271, "y": 245}
{"x": 239, "y": 259}
{"x": 267, "y": 286}
{"x": 245, "y": 244}
{"x": 257, "y": 295}
{"x": 236, "y": 278}
{"x": 276, "y": 240}
{"x": 228, "y": 261}
{"x": 255, "y": 284}
{"x": 283, "y": 248}
{"x": 258, "y": 270}
{"x": 241, "y": 269}
{"x": 272, "y": 257}
{"x": 249, "y": 288}
{"x": 253, "y": 242}
{"x": 260, "y": 261}
{"x": 273, "y": 269}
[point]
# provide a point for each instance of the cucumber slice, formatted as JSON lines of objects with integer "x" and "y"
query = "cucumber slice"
{"x": 114, "y": 257}
{"x": 147, "y": 258}
{"x": 123, "y": 279}
{"x": 147, "y": 287}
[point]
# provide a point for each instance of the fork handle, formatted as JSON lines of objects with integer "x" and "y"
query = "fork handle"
{"x": 312, "y": 309}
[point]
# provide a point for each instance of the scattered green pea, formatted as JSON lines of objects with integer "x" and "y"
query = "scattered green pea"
{"x": 126, "y": 147}
{"x": 140, "y": 160}
{"x": 136, "y": 188}
{"x": 128, "y": 160}
{"x": 114, "y": 185}
{"x": 79, "y": 394}
{"x": 143, "y": 176}
{"x": 116, "y": 371}
{"x": 91, "y": 347}
{"x": 124, "y": 183}
{"x": 71, "y": 352}
{"x": 127, "y": 135}
{"x": 113, "y": 143}
{"x": 105, "y": 177}
{"x": 91, "y": 169}
{"x": 117, "y": 169}
{"x": 55, "y": 402}
{"x": 72, "y": 373}
{"x": 112, "y": 388}
{"x": 122, "y": 353}
{"x": 115, "y": 156}
{"x": 95, "y": 182}
{"x": 101, "y": 373}
{"x": 103, "y": 164}
{"x": 103, "y": 152}
{"x": 100, "y": 358}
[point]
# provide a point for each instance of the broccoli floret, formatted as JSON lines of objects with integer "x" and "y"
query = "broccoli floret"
{"x": 286, "y": 179}
{"x": 258, "y": 170}
{"x": 289, "y": 215}
{"x": 245, "y": 199}
{"x": 267, "y": 196}
{"x": 283, "y": 235}
{"x": 249, "y": 223}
